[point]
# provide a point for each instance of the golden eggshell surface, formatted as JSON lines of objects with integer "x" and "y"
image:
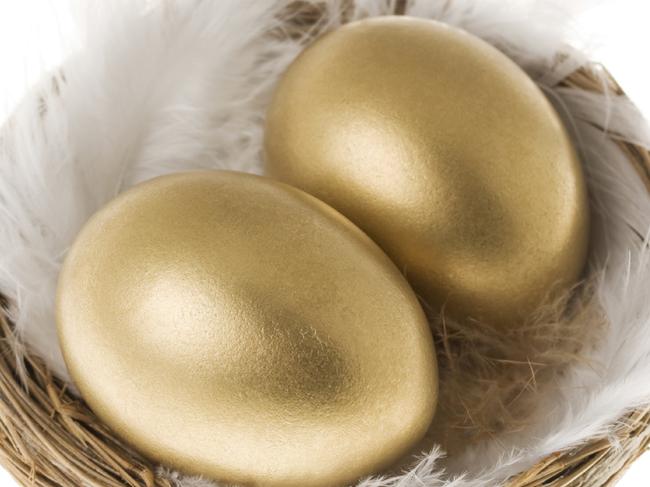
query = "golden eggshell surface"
{"x": 445, "y": 153}
{"x": 235, "y": 327}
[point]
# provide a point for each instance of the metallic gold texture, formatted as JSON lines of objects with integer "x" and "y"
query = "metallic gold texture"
{"x": 235, "y": 327}
{"x": 446, "y": 153}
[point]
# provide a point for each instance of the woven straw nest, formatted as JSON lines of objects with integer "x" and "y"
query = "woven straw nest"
{"x": 49, "y": 437}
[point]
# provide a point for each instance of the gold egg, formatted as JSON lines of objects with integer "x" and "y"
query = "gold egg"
{"x": 445, "y": 153}
{"x": 235, "y": 327}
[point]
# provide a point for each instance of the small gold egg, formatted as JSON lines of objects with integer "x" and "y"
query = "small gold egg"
{"x": 445, "y": 153}
{"x": 238, "y": 328}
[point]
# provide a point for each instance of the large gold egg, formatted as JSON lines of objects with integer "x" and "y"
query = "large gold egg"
{"x": 236, "y": 327}
{"x": 445, "y": 153}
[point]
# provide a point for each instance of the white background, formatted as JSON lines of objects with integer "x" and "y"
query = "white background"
{"x": 35, "y": 33}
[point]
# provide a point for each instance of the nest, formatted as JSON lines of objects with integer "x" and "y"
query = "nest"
{"x": 50, "y": 437}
